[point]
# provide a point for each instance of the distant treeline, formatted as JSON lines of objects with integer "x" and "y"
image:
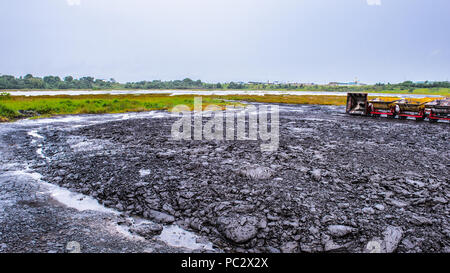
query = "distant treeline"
{"x": 69, "y": 82}
{"x": 410, "y": 84}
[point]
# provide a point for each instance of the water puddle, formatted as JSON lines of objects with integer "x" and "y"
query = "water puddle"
{"x": 74, "y": 200}
{"x": 35, "y": 134}
{"x": 70, "y": 199}
{"x": 39, "y": 150}
{"x": 178, "y": 237}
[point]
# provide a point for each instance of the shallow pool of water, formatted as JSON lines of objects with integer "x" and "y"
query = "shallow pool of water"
{"x": 201, "y": 92}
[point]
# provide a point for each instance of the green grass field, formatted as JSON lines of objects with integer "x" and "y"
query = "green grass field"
{"x": 44, "y": 106}
{"x": 419, "y": 91}
{"x": 306, "y": 99}
{"x": 16, "y": 107}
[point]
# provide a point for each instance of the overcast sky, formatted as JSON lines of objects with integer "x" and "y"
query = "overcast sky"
{"x": 228, "y": 40}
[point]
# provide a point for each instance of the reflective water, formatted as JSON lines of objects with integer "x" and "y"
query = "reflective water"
{"x": 200, "y": 92}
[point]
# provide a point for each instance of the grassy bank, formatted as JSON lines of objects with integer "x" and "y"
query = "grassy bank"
{"x": 418, "y": 91}
{"x": 15, "y": 107}
{"x": 306, "y": 99}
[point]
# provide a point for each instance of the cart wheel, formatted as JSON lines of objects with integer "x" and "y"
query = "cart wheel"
{"x": 396, "y": 110}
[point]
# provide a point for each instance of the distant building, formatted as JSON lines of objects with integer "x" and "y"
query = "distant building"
{"x": 296, "y": 84}
{"x": 301, "y": 84}
{"x": 355, "y": 83}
